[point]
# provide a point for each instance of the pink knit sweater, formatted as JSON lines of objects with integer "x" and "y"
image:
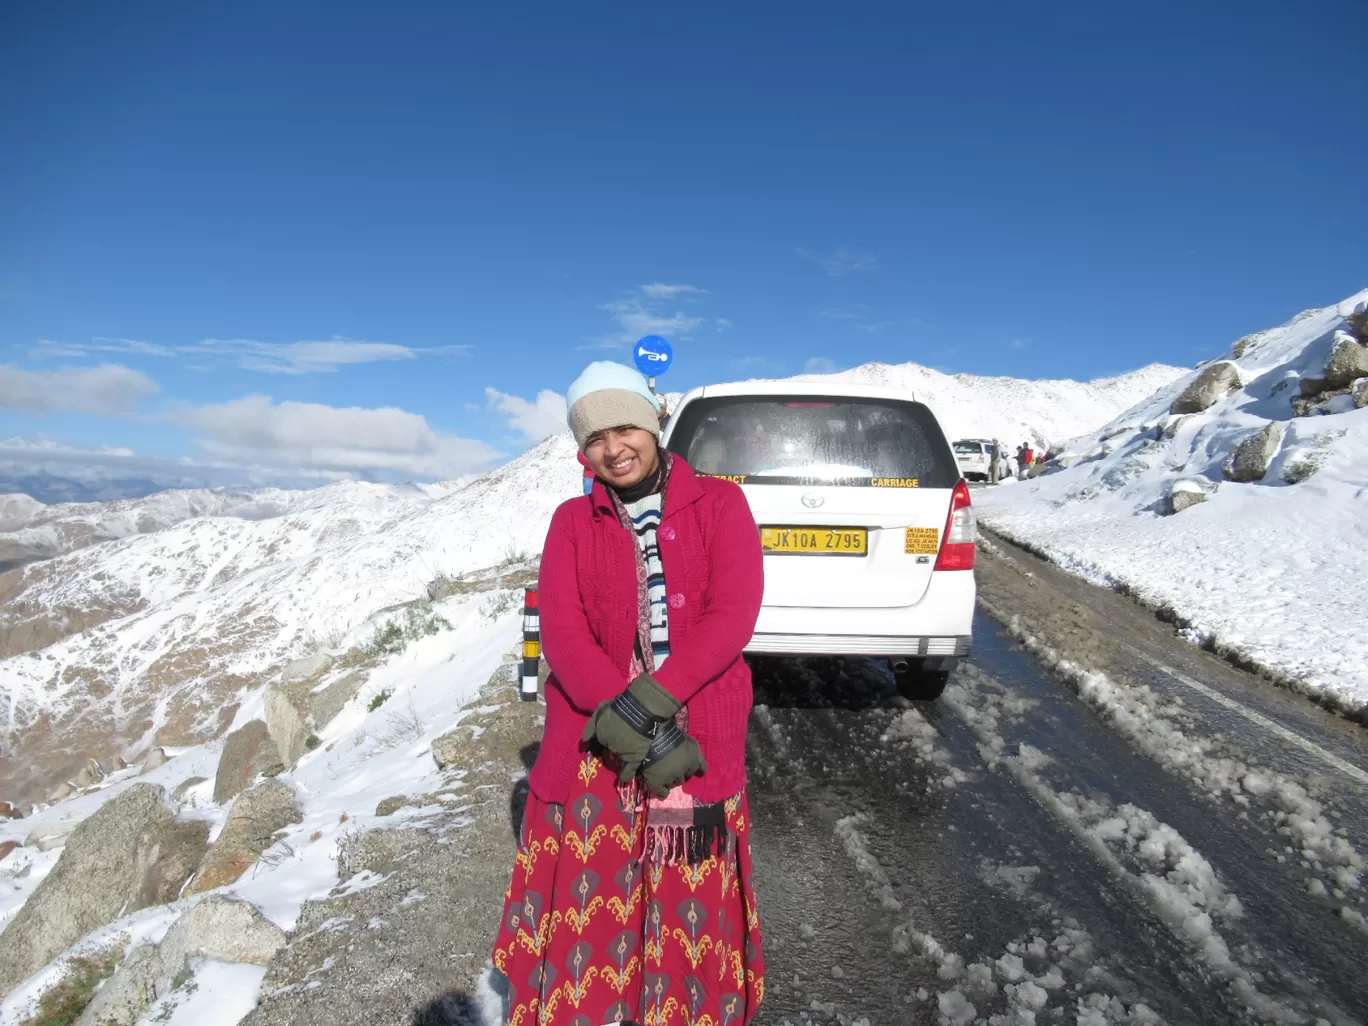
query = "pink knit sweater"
{"x": 710, "y": 548}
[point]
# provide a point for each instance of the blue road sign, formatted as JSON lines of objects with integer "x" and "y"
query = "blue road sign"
{"x": 652, "y": 355}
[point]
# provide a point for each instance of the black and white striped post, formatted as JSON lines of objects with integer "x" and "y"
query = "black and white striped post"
{"x": 531, "y": 646}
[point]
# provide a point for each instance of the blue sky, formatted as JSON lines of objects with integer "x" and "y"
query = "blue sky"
{"x": 380, "y": 213}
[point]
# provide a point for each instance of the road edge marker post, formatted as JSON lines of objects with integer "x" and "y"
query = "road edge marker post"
{"x": 531, "y": 663}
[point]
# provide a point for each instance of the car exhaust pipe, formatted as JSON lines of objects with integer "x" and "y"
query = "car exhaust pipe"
{"x": 900, "y": 666}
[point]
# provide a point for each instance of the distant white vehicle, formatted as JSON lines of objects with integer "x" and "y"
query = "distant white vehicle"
{"x": 865, "y": 519}
{"x": 974, "y": 457}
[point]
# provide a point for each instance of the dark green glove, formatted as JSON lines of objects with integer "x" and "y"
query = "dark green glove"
{"x": 672, "y": 758}
{"x": 627, "y": 724}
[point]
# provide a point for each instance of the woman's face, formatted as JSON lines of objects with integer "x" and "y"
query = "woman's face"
{"x": 622, "y": 456}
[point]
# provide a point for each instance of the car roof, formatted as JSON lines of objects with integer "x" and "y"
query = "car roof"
{"x": 826, "y": 388}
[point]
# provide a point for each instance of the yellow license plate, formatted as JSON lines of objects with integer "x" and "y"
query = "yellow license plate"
{"x": 815, "y": 541}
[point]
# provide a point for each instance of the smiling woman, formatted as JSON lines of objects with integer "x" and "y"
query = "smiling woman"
{"x": 631, "y": 897}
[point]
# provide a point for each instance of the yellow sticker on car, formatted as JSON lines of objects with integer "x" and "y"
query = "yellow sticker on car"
{"x": 895, "y": 482}
{"x": 922, "y": 541}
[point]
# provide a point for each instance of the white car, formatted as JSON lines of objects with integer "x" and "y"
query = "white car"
{"x": 974, "y": 457}
{"x": 865, "y": 519}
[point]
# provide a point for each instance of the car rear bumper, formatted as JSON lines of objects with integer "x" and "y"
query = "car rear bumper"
{"x": 940, "y": 624}
{"x": 858, "y": 644}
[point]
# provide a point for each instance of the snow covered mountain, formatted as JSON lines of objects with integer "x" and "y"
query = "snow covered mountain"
{"x": 1235, "y": 497}
{"x": 156, "y": 618}
{"x": 1043, "y": 413}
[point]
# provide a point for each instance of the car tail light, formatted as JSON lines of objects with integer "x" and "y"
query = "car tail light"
{"x": 961, "y": 532}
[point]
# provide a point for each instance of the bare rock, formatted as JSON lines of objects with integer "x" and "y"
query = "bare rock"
{"x": 251, "y": 828}
{"x": 185, "y": 785}
{"x": 50, "y": 836}
{"x": 154, "y": 759}
{"x": 91, "y": 773}
{"x": 8, "y": 810}
{"x": 124, "y": 997}
{"x": 1348, "y": 362}
{"x": 298, "y": 707}
{"x": 223, "y": 928}
{"x": 6, "y": 847}
{"x": 327, "y": 702}
{"x": 389, "y": 806}
{"x": 1184, "y": 495}
{"x": 287, "y": 718}
{"x": 119, "y": 860}
{"x": 303, "y": 669}
{"x": 1250, "y": 459}
{"x": 1360, "y": 393}
{"x": 1313, "y": 386}
{"x": 61, "y": 792}
{"x": 1210, "y": 386}
{"x": 248, "y": 753}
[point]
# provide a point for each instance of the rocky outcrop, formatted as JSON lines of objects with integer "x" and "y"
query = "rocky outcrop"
{"x": 124, "y": 997}
{"x": 185, "y": 785}
{"x": 50, "y": 835}
{"x": 297, "y": 707}
{"x": 6, "y": 847}
{"x": 1207, "y": 388}
{"x": 221, "y": 928}
{"x": 1184, "y": 495}
{"x": 1250, "y": 459}
{"x": 248, "y": 753}
{"x": 1348, "y": 362}
{"x": 154, "y": 759}
{"x": 1360, "y": 393}
{"x": 227, "y": 929}
{"x": 251, "y": 828}
{"x": 8, "y": 810}
{"x": 91, "y": 773}
{"x": 131, "y": 853}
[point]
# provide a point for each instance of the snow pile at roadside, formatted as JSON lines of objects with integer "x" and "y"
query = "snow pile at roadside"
{"x": 364, "y": 755}
{"x": 1268, "y": 568}
{"x": 1040, "y": 412}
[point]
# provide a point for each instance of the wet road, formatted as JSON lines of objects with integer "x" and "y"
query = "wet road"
{"x": 1097, "y": 823}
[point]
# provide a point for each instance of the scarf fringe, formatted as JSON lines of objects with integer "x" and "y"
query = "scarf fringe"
{"x": 673, "y": 845}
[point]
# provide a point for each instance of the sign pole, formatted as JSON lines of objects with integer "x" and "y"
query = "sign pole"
{"x": 651, "y": 382}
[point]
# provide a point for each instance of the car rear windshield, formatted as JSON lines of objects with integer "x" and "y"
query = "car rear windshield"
{"x": 969, "y": 448}
{"x": 804, "y": 439}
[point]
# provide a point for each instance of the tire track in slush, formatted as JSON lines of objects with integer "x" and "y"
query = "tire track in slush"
{"x": 929, "y": 842}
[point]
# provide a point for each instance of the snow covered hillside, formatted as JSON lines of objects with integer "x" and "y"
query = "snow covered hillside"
{"x": 1237, "y": 497}
{"x": 30, "y": 530}
{"x": 1040, "y": 412}
{"x": 157, "y": 638}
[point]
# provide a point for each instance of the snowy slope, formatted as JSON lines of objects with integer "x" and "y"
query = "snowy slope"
{"x": 176, "y": 628}
{"x": 1271, "y": 569}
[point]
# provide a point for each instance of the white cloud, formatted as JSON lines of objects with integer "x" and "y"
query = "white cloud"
{"x": 659, "y": 290}
{"x": 1018, "y": 343}
{"x": 858, "y": 312}
{"x": 304, "y": 357}
{"x": 722, "y": 323}
{"x": 820, "y": 365}
{"x": 106, "y": 390}
{"x": 646, "y": 312}
{"x": 842, "y": 261}
{"x": 385, "y": 440}
{"x": 534, "y": 419}
{"x": 311, "y": 357}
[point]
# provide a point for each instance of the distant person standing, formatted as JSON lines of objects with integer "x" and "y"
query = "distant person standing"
{"x": 995, "y": 462}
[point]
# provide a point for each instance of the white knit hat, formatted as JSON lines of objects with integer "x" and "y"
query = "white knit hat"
{"x": 608, "y": 395}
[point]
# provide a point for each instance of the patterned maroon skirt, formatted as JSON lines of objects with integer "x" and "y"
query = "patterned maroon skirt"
{"x": 594, "y": 931}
